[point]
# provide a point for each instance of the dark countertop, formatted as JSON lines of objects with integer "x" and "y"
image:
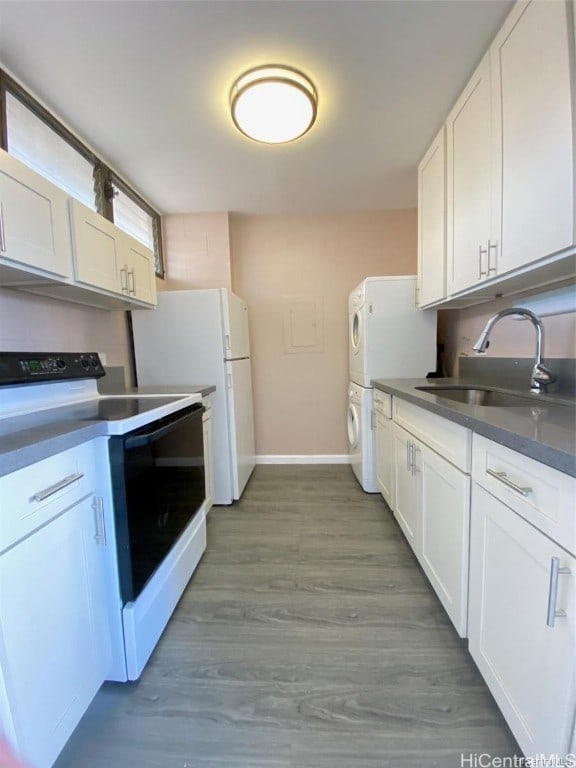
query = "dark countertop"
{"x": 26, "y": 439}
{"x": 181, "y": 389}
{"x": 545, "y": 432}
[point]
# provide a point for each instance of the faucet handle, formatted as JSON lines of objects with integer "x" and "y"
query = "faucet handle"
{"x": 541, "y": 377}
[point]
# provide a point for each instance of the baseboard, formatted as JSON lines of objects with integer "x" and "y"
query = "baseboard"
{"x": 329, "y": 458}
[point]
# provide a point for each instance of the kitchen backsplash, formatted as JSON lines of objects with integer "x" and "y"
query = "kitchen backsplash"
{"x": 459, "y": 330}
{"x": 38, "y": 324}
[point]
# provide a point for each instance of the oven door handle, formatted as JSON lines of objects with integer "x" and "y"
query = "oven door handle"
{"x": 145, "y": 438}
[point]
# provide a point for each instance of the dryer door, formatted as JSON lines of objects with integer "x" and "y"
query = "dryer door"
{"x": 356, "y": 330}
{"x": 356, "y": 345}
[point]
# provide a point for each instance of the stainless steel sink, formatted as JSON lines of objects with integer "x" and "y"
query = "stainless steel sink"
{"x": 486, "y": 397}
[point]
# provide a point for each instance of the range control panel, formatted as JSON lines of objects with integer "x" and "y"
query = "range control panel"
{"x": 34, "y": 367}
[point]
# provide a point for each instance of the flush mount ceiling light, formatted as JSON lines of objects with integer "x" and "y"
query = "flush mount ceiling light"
{"x": 273, "y": 104}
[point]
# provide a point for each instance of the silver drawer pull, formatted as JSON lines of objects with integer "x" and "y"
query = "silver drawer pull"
{"x": 552, "y": 614}
{"x": 503, "y": 477}
{"x": 51, "y": 490}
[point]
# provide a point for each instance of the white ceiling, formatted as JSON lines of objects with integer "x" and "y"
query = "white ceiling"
{"x": 146, "y": 85}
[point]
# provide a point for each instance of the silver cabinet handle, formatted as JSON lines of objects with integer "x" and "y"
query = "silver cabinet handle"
{"x": 415, "y": 450}
{"x": 408, "y": 465}
{"x": 2, "y": 237}
{"x": 492, "y": 247}
{"x": 51, "y": 490}
{"x": 131, "y": 282}
{"x": 99, "y": 524}
{"x": 123, "y": 280}
{"x": 552, "y": 614}
{"x": 481, "y": 252}
{"x": 503, "y": 478}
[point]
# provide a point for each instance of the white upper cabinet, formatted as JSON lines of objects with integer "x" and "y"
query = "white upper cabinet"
{"x": 138, "y": 269}
{"x": 55, "y": 246}
{"x": 96, "y": 247}
{"x": 432, "y": 223}
{"x": 531, "y": 86}
{"x": 470, "y": 183}
{"x": 112, "y": 270}
{"x": 34, "y": 234}
{"x": 510, "y": 166}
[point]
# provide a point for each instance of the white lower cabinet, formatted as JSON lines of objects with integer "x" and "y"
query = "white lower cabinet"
{"x": 522, "y": 601}
{"x": 444, "y": 493}
{"x": 384, "y": 445}
{"x": 432, "y": 500}
{"x": 433, "y": 511}
{"x": 527, "y": 657}
{"x": 54, "y": 641}
{"x": 406, "y": 509}
{"x": 500, "y": 554}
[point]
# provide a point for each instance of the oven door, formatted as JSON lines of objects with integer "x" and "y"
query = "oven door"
{"x": 158, "y": 487}
{"x": 160, "y": 520}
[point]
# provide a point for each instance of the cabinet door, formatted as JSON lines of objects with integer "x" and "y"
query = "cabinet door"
{"x": 469, "y": 183}
{"x": 405, "y": 489}
{"x": 139, "y": 276}
{"x": 385, "y": 457}
{"x": 445, "y": 521}
{"x": 531, "y": 71}
{"x": 54, "y": 639}
{"x": 33, "y": 222}
{"x": 432, "y": 223}
{"x": 96, "y": 248}
{"x": 529, "y": 667}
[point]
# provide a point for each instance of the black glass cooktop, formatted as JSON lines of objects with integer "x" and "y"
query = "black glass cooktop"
{"x": 116, "y": 408}
{"x": 110, "y": 409}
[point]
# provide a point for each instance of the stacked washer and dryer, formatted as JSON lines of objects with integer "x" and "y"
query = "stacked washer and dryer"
{"x": 389, "y": 338}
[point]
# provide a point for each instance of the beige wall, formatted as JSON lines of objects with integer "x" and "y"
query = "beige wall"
{"x": 196, "y": 251}
{"x": 459, "y": 330}
{"x": 37, "y": 324}
{"x": 301, "y": 397}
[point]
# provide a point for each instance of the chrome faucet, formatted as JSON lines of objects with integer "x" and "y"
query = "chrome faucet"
{"x": 541, "y": 376}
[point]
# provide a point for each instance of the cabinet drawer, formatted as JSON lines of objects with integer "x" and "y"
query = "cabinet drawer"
{"x": 450, "y": 440}
{"x": 34, "y": 495}
{"x": 383, "y": 403}
{"x": 540, "y": 494}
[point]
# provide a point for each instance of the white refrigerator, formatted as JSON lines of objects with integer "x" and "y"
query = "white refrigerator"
{"x": 201, "y": 337}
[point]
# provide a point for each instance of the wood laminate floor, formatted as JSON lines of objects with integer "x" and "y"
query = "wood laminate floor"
{"x": 307, "y": 638}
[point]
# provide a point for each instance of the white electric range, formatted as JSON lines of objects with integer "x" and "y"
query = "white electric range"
{"x": 152, "y": 467}
{"x": 63, "y": 387}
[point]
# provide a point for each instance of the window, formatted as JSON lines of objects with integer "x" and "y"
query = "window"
{"x": 36, "y": 144}
{"x": 33, "y": 135}
{"x": 138, "y": 219}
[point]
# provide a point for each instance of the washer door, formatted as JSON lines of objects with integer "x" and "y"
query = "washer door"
{"x": 356, "y": 331}
{"x": 353, "y": 427}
